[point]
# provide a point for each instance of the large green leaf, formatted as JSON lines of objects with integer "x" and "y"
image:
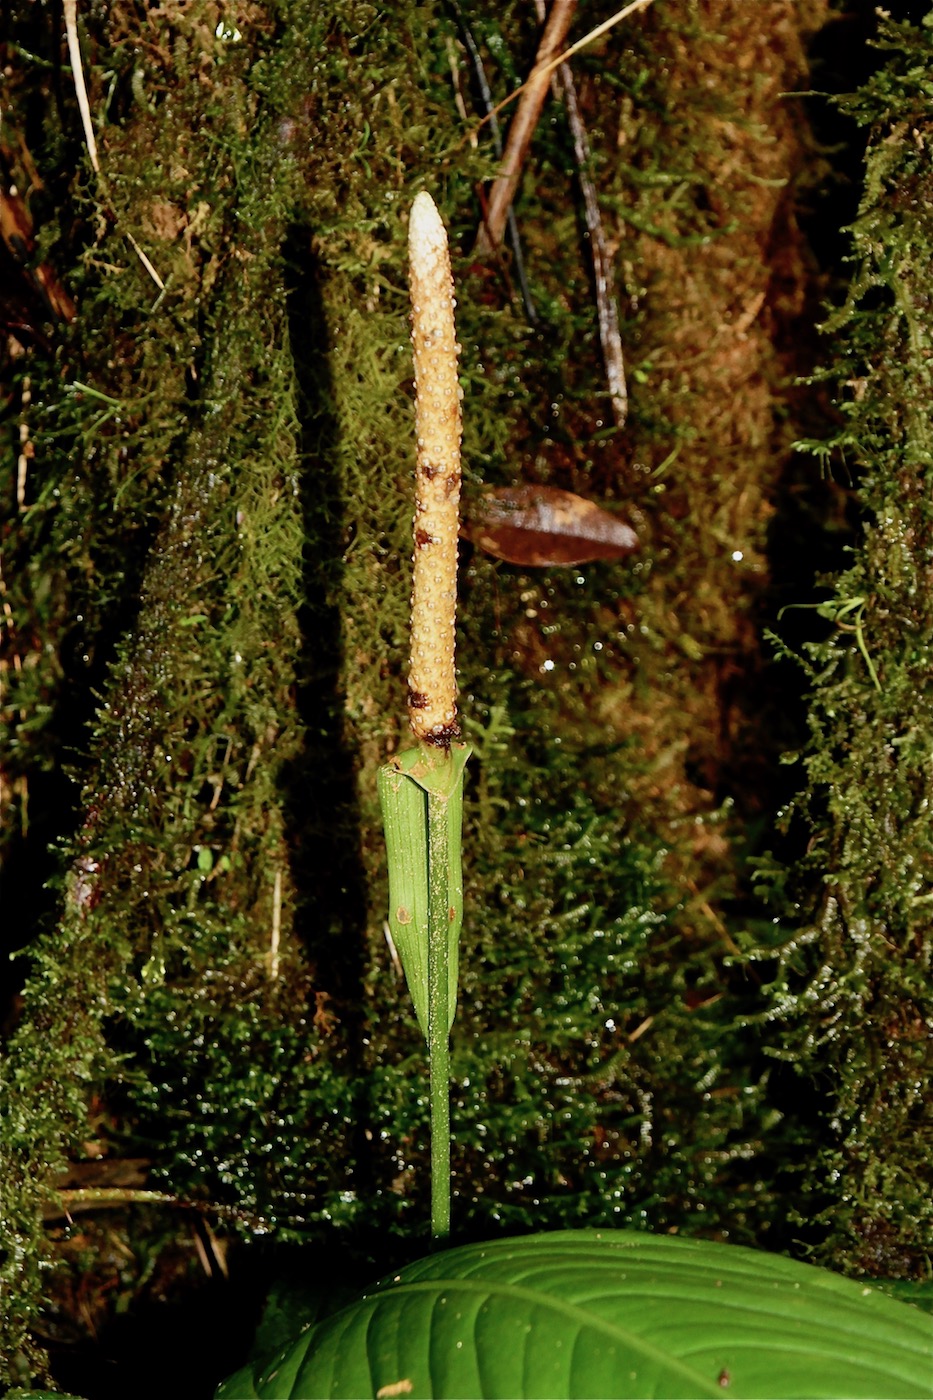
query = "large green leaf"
{"x": 616, "y": 1313}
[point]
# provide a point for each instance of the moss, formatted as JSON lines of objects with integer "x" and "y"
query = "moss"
{"x": 172, "y": 877}
{"x": 851, "y": 996}
{"x": 240, "y": 475}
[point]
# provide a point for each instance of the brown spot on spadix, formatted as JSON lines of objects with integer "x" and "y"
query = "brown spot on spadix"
{"x": 543, "y": 526}
{"x": 442, "y": 735}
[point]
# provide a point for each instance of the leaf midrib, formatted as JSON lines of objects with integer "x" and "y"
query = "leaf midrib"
{"x": 571, "y": 1311}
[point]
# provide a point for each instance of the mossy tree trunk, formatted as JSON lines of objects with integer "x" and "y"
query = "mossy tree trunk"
{"x": 210, "y": 607}
{"x": 853, "y": 997}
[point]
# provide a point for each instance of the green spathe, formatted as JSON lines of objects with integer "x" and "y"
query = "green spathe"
{"x": 405, "y": 786}
{"x": 608, "y": 1313}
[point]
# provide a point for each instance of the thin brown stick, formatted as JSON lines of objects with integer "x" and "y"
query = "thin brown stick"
{"x": 523, "y": 127}
{"x": 594, "y": 34}
{"x": 67, "y": 1203}
{"x": 482, "y": 83}
{"x": 606, "y": 308}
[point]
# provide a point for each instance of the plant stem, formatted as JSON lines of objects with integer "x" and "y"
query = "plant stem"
{"x": 438, "y": 1013}
{"x": 432, "y": 684}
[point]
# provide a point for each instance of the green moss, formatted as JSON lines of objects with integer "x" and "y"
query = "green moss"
{"x": 172, "y": 876}
{"x": 851, "y": 997}
{"x": 233, "y": 525}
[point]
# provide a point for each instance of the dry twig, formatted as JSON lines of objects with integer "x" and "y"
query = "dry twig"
{"x": 485, "y": 94}
{"x": 70, "y": 9}
{"x": 499, "y": 207}
{"x": 606, "y": 306}
{"x": 548, "y": 68}
{"x": 523, "y": 127}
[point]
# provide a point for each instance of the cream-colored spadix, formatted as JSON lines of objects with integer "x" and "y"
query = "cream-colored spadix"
{"x": 432, "y": 697}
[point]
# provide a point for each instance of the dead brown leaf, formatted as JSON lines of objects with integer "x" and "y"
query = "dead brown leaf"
{"x": 542, "y": 526}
